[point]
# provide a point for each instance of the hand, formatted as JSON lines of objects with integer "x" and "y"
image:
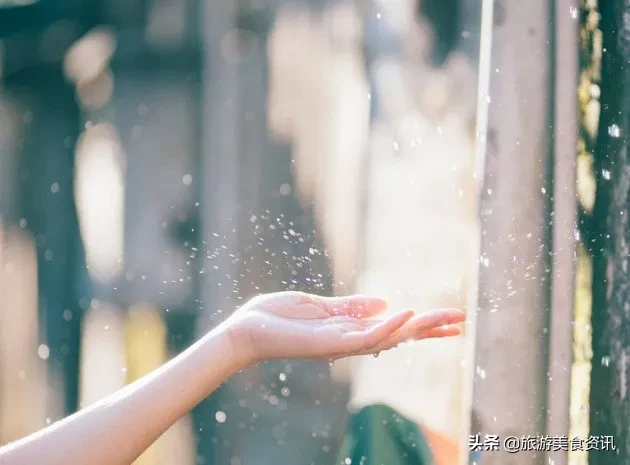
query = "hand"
{"x": 300, "y": 325}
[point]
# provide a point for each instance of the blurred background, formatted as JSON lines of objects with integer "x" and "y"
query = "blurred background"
{"x": 163, "y": 161}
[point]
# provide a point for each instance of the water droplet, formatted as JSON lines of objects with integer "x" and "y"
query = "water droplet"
{"x": 347, "y": 461}
{"x": 285, "y": 189}
{"x": 376, "y": 354}
{"x": 573, "y": 11}
{"x": 606, "y": 174}
{"x": 43, "y": 351}
{"x": 331, "y": 362}
{"x": 220, "y": 416}
{"x": 285, "y": 391}
{"x": 614, "y": 131}
{"x": 606, "y": 361}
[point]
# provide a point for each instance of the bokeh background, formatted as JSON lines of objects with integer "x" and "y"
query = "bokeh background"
{"x": 163, "y": 161}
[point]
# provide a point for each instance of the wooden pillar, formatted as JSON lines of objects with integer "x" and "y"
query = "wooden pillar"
{"x": 510, "y": 368}
{"x": 566, "y": 69}
{"x": 219, "y": 155}
{"x": 219, "y": 195}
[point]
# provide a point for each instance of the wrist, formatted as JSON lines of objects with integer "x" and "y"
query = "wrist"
{"x": 236, "y": 349}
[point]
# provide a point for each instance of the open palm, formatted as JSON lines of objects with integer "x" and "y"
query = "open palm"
{"x": 300, "y": 325}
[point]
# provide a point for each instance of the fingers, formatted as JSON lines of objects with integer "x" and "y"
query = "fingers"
{"x": 433, "y": 324}
{"x": 434, "y": 318}
{"x": 359, "y": 341}
{"x": 356, "y": 306}
{"x": 441, "y": 331}
{"x": 421, "y": 324}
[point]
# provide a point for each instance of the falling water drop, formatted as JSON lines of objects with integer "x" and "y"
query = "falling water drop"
{"x": 614, "y": 131}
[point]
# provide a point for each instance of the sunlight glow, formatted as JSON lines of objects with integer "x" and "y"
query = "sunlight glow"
{"x": 100, "y": 200}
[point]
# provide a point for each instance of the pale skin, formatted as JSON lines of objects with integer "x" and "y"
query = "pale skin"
{"x": 284, "y": 325}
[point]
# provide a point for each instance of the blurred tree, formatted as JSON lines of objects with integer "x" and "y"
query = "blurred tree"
{"x": 610, "y": 389}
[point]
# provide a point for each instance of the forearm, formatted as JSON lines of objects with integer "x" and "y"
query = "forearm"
{"x": 116, "y": 430}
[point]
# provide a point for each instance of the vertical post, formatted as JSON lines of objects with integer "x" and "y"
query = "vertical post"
{"x": 219, "y": 190}
{"x": 219, "y": 153}
{"x": 483, "y": 89}
{"x": 509, "y": 392}
{"x": 564, "y": 220}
